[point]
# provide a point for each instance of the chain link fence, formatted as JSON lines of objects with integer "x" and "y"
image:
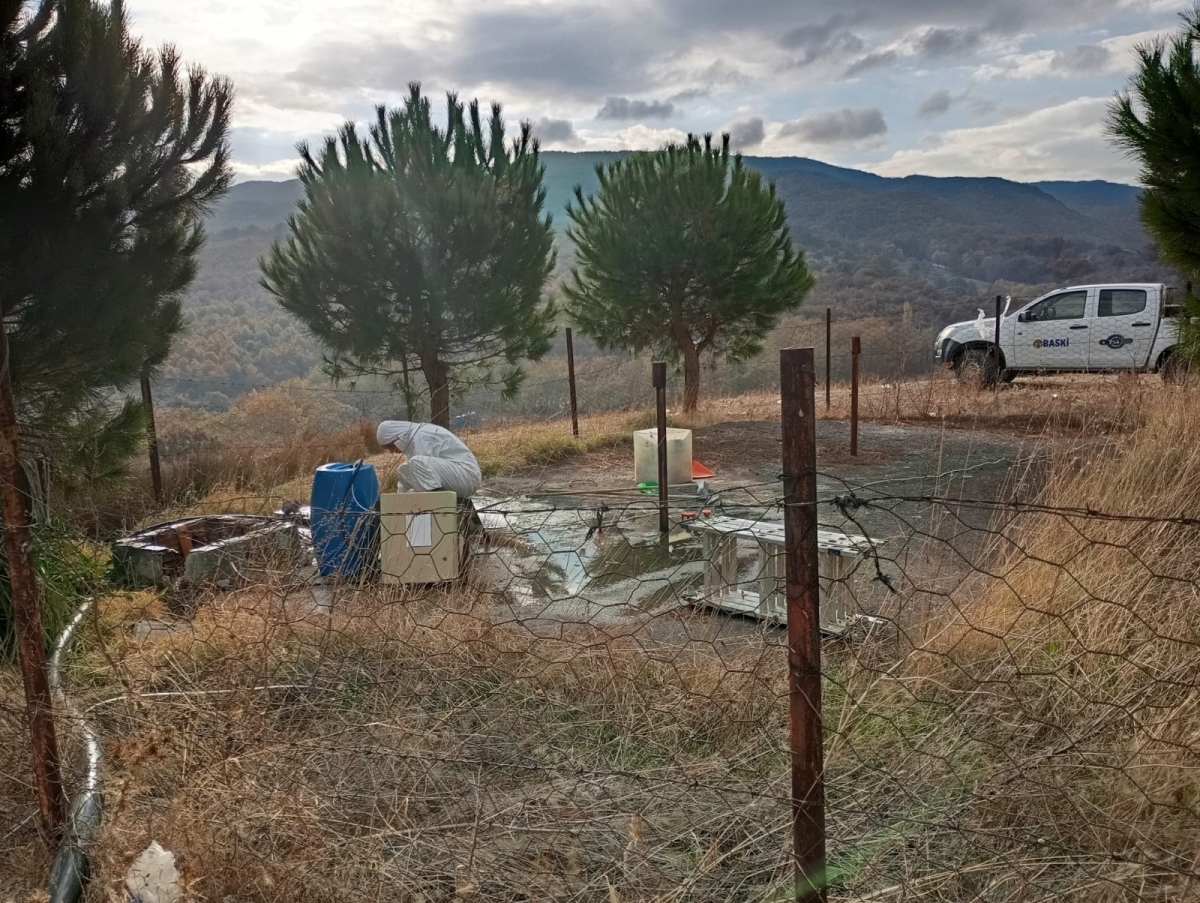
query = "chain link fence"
{"x": 545, "y": 697}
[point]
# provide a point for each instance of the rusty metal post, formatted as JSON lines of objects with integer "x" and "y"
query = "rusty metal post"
{"x": 828, "y": 353}
{"x": 571, "y": 378}
{"x": 855, "y": 351}
{"x": 152, "y": 437}
{"x": 27, "y": 609}
{"x": 660, "y": 390}
{"x": 996, "y": 348}
{"x": 798, "y": 408}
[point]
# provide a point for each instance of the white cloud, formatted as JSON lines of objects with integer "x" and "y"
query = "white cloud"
{"x": 1112, "y": 55}
{"x": 274, "y": 171}
{"x": 636, "y": 137}
{"x": 301, "y": 67}
{"x": 1066, "y": 141}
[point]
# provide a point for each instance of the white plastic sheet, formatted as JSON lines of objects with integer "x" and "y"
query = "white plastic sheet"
{"x": 153, "y": 877}
{"x": 435, "y": 458}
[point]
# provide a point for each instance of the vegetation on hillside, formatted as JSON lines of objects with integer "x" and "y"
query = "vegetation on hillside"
{"x": 945, "y": 246}
{"x": 683, "y": 251}
{"x": 423, "y": 249}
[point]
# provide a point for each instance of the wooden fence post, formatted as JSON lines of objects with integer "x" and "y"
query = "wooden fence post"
{"x": 798, "y": 409}
{"x": 571, "y": 377}
{"x": 855, "y": 351}
{"x": 152, "y": 436}
{"x": 828, "y": 354}
{"x": 27, "y": 609}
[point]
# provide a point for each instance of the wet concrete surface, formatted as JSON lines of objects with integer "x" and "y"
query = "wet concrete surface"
{"x": 571, "y": 547}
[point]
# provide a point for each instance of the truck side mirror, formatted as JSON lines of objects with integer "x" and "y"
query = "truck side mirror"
{"x": 1023, "y": 317}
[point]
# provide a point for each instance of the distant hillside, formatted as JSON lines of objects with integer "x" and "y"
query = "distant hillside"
{"x": 876, "y": 243}
{"x": 1107, "y": 201}
{"x": 260, "y": 204}
{"x": 1092, "y": 211}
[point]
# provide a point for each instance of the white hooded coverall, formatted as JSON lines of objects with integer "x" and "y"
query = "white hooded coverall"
{"x": 435, "y": 458}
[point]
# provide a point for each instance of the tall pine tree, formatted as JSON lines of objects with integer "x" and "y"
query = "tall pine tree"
{"x": 422, "y": 248}
{"x": 109, "y": 156}
{"x": 686, "y": 252}
{"x": 1157, "y": 121}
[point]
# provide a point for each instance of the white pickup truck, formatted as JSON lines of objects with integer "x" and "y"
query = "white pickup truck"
{"x": 1079, "y": 329}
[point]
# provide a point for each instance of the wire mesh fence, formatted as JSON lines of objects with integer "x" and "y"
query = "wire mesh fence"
{"x": 543, "y": 696}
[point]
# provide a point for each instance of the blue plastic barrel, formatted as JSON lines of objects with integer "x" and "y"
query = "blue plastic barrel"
{"x": 345, "y": 525}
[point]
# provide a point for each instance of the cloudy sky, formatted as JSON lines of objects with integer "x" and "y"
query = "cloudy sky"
{"x": 1015, "y": 88}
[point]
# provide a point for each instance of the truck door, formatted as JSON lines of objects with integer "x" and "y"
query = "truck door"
{"x": 1122, "y": 329}
{"x": 1053, "y": 333}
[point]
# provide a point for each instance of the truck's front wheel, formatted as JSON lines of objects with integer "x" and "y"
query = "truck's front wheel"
{"x": 978, "y": 367}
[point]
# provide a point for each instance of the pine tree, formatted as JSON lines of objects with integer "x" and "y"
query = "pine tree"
{"x": 686, "y": 252}
{"x": 1157, "y": 121}
{"x": 422, "y": 248}
{"x": 109, "y": 157}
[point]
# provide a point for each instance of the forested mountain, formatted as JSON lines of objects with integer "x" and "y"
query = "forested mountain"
{"x": 942, "y": 244}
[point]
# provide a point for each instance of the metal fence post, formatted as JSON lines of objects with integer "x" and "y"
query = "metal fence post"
{"x": 152, "y": 438}
{"x": 660, "y": 391}
{"x": 27, "y": 610}
{"x": 855, "y": 351}
{"x": 571, "y": 378}
{"x": 798, "y": 408}
{"x": 996, "y": 348}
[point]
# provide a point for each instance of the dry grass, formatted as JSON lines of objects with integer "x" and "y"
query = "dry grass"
{"x": 23, "y": 860}
{"x": 1066, "y": 405}
{"x": 255, "y": 475}
{"x": 413, "y": 748}
{"x": 1039, "y": 741}
{"x": 1073, "y": 666}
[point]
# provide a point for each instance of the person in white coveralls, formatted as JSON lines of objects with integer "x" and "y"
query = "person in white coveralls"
{"x": 434, "y": 458}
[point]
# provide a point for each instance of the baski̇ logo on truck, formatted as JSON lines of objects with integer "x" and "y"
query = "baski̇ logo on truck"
{"x": 1051, "y": 343}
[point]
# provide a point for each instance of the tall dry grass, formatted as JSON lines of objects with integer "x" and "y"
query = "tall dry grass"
{"x": 409, "y": 747}
{"x": 1073, "y": 666}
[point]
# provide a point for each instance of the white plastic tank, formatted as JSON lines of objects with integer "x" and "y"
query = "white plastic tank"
{"x": 679, "y": 456}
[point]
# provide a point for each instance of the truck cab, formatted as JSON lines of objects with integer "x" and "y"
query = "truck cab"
{"x": 1086, "y": 328}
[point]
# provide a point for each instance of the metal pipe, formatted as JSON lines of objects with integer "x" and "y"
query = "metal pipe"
{"x": 71, "y": 869}
{"x": 571, "y": 376}
{"x": 996, "y": 347}
{"x": 660, "y": 391}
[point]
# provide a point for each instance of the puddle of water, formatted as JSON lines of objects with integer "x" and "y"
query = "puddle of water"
{"x": 566, "y": 552}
